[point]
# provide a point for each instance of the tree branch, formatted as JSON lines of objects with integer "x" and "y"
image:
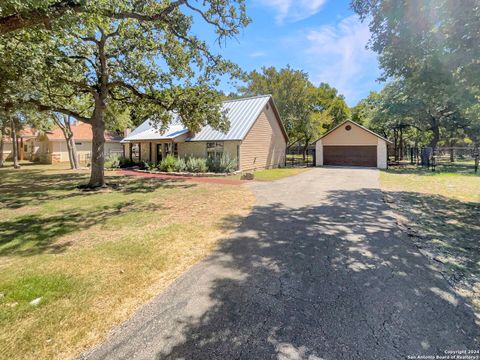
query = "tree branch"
{"x": 43, "y": 107}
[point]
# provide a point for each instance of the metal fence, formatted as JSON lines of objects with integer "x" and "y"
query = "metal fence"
{"x": 296, "y": 158}
{"x": 458, "y": 157}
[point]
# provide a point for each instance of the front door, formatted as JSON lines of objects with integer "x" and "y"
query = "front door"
{"x": 159, "y": 153}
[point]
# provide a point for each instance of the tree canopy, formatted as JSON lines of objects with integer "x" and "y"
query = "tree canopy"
{"x": 306, "y": 110}
{"x": 429, "y": 51}
{"x": 100, "y": 63}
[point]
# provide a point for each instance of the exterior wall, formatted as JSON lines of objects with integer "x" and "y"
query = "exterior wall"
{"x": 7, "y": 150}
{"x": 382, "y": 154}
{"x": 265, "y": 145}
{"x": 193, "y": 148}
{"x": 356, "y": 136}
{"x": 319, "y": 153}
{"x": 199, "y": 149}
{"x": 52, "y": 152}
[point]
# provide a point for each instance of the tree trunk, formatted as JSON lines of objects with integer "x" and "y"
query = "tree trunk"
{"x": 452, "y": 151}
{"x": 72, "y": 153}
{"x": 435, "y": 131}
{"x": 395, "y": 140}
{"x": 16, "y": 165}
{"x": 2, "y": 133}
{"x": 71, "y": 147}
{"x": 401, "y": 144}
{"x": 97, "y": 176}
{"x": 305, "y": 149}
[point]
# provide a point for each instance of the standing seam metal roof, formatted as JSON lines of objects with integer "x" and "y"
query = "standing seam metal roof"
{"x": 241, "y": 113}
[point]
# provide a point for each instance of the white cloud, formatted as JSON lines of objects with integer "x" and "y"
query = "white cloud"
{"x": 293, "y": 10}
{"x": 257, "y": 54}
{"x": 337, "y": 55}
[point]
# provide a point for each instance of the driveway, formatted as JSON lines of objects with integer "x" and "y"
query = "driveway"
{"x": 319, "y": 270}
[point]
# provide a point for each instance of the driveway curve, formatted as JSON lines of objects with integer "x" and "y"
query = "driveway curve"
{"x": 318, "y": 270}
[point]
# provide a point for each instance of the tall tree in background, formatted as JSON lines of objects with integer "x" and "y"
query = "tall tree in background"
{"x": 432, "y": 47}
{"x": 120, "y": 55}
{"x": 306, "y": 110}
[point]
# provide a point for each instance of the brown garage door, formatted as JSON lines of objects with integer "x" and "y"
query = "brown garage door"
{"x": 350, "y": 155}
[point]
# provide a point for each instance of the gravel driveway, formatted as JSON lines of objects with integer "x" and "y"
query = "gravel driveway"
{"x": 319, "y": 270}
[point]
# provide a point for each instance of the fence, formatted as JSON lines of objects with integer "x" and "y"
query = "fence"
{"x": 459, "y": 157}
{"x": 296, "y": 158}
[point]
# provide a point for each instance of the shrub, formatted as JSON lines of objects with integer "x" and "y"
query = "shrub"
{"x": 112, "y": 162}
{"x": 180, "y": 165}
{"x": 197, "y": 165}
{"x": 225, "y": 164}
{"x": 147, "y": 165}
{"x": 125, "y": 162}
{"x": 168, "y": 163}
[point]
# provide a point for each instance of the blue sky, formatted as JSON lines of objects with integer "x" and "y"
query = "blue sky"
{"x": 322, "y": 37}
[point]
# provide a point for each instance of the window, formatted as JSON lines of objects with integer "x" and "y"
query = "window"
{"x": 175, "y": 149}
{"x": 25, "y": 148}
{"x": 215, "y": 149}
{"x": 348, "y": 128}
{"x": 167, "y": 148}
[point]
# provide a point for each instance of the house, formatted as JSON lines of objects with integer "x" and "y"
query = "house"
{"x": 256, "y": 137}
{"x": 22, "y": 139}
{"x": 51, "y": 147}
{"x": 350, "y": 144}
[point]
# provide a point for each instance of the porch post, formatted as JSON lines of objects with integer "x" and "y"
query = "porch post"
{"x": 21, "y": 149}
{"x": 139, "y": 152}
{"x": 150, "y": 151}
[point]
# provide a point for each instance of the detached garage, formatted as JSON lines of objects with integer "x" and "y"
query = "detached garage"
{"x": 350, "y": 144}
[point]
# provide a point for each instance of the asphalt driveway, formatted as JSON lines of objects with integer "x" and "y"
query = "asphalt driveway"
{"x": 319, "y": 270}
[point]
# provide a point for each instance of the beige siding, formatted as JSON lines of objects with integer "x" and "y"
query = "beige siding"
{"x": 199, "y": 149}
{"x": 7, "y": 150}
{"x": 193, "y": 148}
{"x": 264, "y": 146}
{"x": 355, "y": 136}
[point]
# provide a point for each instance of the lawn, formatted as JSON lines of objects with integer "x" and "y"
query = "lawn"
{"x": 93, "y": 257}
{"x": 273, "y": 174}
{"x": 441, "y": 211}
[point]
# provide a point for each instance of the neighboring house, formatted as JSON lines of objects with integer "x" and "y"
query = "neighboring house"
{"x": 256, "y": 137}
{"x": 23, "y": 138}
{"x": 51, "y": 147}
{"x": 350, "y": 144}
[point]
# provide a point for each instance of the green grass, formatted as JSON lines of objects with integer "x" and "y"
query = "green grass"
{"x": 442, "y": 209}
{"x": 277, "y": 174}
{"x": 83, "y": 252}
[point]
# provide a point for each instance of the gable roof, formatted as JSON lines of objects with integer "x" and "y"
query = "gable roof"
{"x": 241, "y": 113}
{"x": 356, "y": 124}
{"x": 81, "y": 131}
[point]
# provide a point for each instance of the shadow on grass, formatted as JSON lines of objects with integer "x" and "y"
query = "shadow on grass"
{"x": 447, "y": 228}
{"x": 32, "y": 187}
{"x": 35, "y": 234}
{"x": 333, "y": 280}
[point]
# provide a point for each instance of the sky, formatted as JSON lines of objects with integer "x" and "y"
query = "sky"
{"x": 325, "y": 38}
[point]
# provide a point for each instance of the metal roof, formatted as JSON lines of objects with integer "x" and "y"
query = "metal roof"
{"x": 241, "y": 113}
{"x": 147, "y": 131}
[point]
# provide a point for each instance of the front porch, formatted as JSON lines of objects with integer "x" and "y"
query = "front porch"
{"x": 152, "y": 151}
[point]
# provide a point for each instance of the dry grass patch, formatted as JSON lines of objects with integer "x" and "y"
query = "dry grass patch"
{"x": 93, "y": 258}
